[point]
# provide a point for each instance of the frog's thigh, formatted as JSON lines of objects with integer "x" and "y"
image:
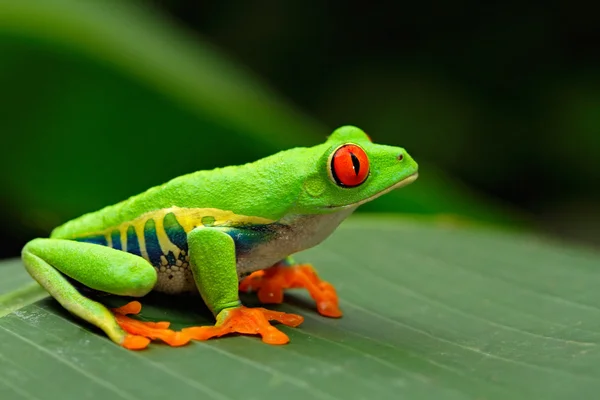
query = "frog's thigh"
{"x": 98, "y": 267}
{"x": 101, "y": 268}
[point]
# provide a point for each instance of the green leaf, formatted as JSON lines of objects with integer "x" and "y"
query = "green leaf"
{"x": 431, "y": 312}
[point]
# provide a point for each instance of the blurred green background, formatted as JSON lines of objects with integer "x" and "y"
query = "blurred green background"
{"x": 500, "y": 104}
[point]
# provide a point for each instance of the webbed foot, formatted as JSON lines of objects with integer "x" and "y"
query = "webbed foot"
{"x": 249, "y": 321}
{"x": 142, "y": 332}
{"x": 271, "y": 282}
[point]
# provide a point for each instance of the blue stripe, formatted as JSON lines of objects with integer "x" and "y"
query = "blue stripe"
{"x": 99, "y": 239}
{"x": 152, "y": 246}
{"x": 116, "y": 240}
{"x": 133, "y": 245}
{"x": 248, "y": 237}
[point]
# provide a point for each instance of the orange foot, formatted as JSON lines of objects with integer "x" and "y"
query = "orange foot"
{"x": 271, "y": 283}
{"x": 250, "y": 321}
{"x": 141, "y": 332}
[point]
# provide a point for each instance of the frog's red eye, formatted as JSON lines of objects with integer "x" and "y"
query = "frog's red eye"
{"x": 349, "y": 166}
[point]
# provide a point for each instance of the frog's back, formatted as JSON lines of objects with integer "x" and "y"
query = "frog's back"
{"x": 231, "y": 189}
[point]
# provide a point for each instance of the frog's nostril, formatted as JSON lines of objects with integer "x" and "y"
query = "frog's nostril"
{"x": 400, "y": 157}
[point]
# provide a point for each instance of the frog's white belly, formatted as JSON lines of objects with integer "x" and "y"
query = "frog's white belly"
{"x": 296, "y": 234}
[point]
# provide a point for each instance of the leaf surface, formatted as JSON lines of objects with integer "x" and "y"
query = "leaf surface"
{"x": 431, "y": 312}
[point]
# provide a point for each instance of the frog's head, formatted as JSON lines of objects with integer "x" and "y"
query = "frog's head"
{"x": 349, "y": 170}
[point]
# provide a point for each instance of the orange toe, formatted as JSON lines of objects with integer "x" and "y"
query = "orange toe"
{"x": 327, "y": 301}
{"x": 274, "y": 336}
{"x": 329, "y": 309}
{"x": 287, "y": 319}
{"x": 133, "y": 307}
{"x": 134, "y": 342}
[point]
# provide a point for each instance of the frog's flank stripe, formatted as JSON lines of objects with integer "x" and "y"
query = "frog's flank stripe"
{"x": 123, "y": 232}
{"x": 175, "y": 232}
{"x": 163, "y": 240}
{"x": 153, "y": 248}
{"x": 138, "y": 225}
{"x": 249, "y": 237}
{"x": 97, "y": 239}
{"x": 116, "y": 240}
{"x": 133, "y": 245}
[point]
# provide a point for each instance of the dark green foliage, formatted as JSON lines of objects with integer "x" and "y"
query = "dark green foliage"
{"x": 104, "y": 100}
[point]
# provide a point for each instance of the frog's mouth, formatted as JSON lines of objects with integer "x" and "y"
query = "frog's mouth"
{"x": 408, "y": 180}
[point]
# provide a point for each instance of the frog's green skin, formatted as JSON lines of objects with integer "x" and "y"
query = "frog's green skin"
{"x": 205, "y": 230}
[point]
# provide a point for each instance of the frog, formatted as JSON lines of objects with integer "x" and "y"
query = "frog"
{"x": 217, "y": 233}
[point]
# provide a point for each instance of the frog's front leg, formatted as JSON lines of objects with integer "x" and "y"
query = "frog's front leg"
{"x": 213, "y": 264}
{"x": 271, "y": 282}
{"x": 50, "y": 261}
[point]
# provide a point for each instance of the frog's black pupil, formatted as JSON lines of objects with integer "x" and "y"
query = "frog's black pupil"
{"x": 355, "y": 163}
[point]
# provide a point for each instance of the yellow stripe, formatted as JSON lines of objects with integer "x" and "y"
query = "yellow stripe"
{"x": 138, "y": 225}
{"x": 163, "y": 240}
{"x": 123, "y": 233}
{"x": 189, "y": 218}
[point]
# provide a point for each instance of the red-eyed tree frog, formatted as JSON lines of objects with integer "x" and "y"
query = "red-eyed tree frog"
{"x": 218, "y": 232}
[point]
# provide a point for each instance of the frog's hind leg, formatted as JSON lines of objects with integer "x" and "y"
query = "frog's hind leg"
{"x": 271, "y": 283}
{"x": 97, "y": 267}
